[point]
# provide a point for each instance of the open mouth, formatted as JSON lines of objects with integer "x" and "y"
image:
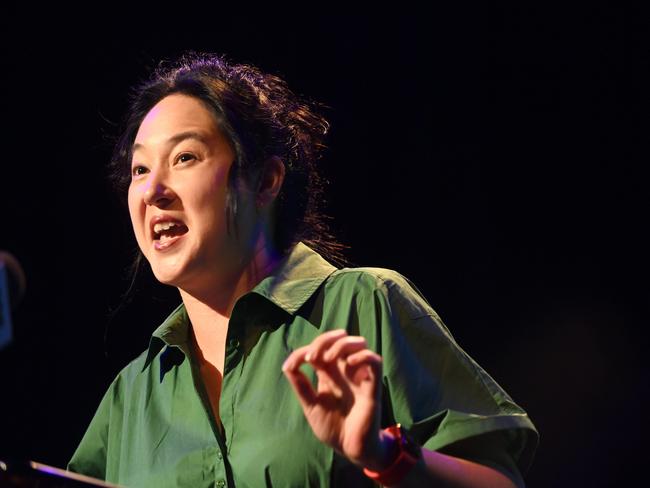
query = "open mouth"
{"x": 168, "y": 232}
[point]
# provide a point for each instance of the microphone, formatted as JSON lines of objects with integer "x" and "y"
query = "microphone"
{"x": 12, "y": 290}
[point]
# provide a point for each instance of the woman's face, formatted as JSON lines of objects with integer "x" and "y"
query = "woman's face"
{"x": 178, "y": 191}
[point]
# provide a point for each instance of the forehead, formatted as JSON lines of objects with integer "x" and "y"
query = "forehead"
{"x": 173, "y": 114}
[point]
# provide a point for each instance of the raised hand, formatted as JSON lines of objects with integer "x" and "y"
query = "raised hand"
{"x": 344, "y": 409}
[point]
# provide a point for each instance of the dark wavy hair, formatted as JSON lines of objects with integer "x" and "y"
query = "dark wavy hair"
{"x": 262, "y": 118}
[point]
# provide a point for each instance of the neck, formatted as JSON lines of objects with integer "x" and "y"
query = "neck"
{"x": 214, "y": 303}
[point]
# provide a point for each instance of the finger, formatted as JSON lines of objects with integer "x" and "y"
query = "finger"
{"x": 302, "y": 386}
{"x": 343, "y": 347}
{"x": 330, "y": 380}
{"x": 296, "y": 358}
{"x": 366, "y": 356}
{"x": 365, "y": 365}
{"x": 322, "y": 342}
{"x": 329, "y": 377}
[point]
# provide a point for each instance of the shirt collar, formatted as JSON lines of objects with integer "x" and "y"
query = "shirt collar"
{"x": 290, "y": 285}
{"x": 295, "y": 279}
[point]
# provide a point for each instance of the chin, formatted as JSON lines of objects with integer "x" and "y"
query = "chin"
{"x": 166, "y": 279}
{"x": 167, "y": 275}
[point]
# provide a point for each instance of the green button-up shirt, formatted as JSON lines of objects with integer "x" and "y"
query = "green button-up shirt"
{"x": 155, "y": 428}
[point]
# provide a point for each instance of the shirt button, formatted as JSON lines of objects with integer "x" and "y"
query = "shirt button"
{"x": 219, "y": 455}
{"x": 220, "y": 483}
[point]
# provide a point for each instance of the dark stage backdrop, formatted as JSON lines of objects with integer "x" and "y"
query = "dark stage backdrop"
{"x": 496, "y": 158}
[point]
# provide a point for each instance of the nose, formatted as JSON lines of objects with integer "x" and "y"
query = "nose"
{"x": 157, "y": 192}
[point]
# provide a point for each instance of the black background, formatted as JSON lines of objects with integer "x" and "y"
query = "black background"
{"x": 497, "y": 157}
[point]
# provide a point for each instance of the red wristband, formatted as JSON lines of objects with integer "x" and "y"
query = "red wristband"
{"x": 408, "y": 456}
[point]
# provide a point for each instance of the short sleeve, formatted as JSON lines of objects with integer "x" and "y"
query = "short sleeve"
{"x": 435, "y": 389}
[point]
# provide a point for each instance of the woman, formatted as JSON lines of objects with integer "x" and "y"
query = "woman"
{"x": 220, "y": 165}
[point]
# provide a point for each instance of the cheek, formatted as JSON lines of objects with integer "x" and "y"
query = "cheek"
{"x": 219, "y": 184}
{"x": 135, "y": 212}
{"x": 210, "y": 197}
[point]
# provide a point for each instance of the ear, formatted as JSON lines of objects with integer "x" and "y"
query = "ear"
{"x": 270, "y": 182}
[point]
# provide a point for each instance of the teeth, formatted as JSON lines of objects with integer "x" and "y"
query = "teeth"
{"x": 160, "y": 226}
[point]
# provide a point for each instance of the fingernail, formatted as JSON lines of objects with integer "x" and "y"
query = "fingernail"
{"x": 308, "y": 357}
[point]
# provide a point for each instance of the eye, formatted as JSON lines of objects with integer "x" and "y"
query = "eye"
{"x": 185, "y": 157}
{"x": 138, "y": 170}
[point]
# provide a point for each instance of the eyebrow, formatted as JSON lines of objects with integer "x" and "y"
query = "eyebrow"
{"x": 175, "y": 139}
